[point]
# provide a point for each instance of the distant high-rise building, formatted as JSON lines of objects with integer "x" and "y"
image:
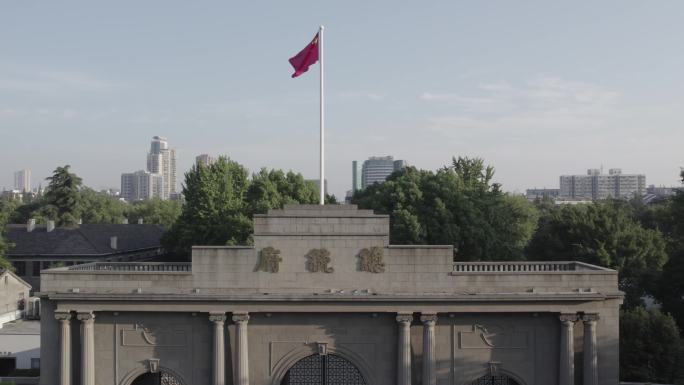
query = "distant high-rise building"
{"x": 375, "y": 170}
{"x": 596, "y": 185}
{"x": 205, "y": 159}
{"x": 22, "y": 180}
{"x": 357, "y": 172}
{"x": 141, "y": 185}
{"x": 162, "y": 160}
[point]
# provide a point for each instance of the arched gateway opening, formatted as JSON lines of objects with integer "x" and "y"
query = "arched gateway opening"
{"x": 159, "y": 378}
{"x": 323, "y": 369}
{"x": 500, "y": 379}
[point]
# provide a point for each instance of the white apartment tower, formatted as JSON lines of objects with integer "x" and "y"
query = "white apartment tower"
{"x": 596, "y": 185}
{"x": 141, "y": 185}
{"x": 22, "y": 180}
{"x": 162, "y": 160}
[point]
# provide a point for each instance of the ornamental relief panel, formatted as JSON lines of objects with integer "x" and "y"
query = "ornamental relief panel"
{"x": 493, "y": 337}
{"x": 158, "y": 336}
{"x": 269, "y": 260}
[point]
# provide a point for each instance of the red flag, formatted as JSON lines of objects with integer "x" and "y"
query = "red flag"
{"x": 305, "y": 58}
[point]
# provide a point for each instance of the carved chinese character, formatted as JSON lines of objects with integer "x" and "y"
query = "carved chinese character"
{"x": 318, "y": 261}
{"x": 270, "y": 260}
{"x": 372, "y": 260}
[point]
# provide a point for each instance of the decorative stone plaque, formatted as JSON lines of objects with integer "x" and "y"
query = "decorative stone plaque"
{"x": 318, "y": 261}
{"x": 270, "y": 260}
{"x": 372, "y": 260}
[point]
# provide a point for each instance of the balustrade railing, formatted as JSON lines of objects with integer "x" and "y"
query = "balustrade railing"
{"x": 152, "y": 267}
{"x": 521, "y": 267}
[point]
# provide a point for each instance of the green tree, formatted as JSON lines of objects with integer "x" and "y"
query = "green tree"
{"x": 5, "y": 211}
{"x": 457, "y": 205}
{"x": 651, "y": 347}
{"x": 62, "y": 197}
{"x": 671, "y": 286}
{"x": 605, "y": 234}
{"x": 220, "y": 200}
{"x": 155, "y": 211}
{"x": 98, "y": 207}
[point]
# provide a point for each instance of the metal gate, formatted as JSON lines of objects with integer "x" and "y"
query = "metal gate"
{"x": 323, "y": 369}
{"x": 495, "y": 380}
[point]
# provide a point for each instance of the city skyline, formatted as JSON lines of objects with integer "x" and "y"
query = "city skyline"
{"x": 519, "y": 85}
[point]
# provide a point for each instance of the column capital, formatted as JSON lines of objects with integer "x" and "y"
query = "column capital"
{"x": 405, "y": 317}
{"x": 428, "y": 318}
{"x": 63, "y": 315}
{"x": 568, "y": 317}
{"x": 85, "y": 316}
{"x": 590, "y": 317}
{"x": 240, "y": 317}
{"x": 217, "y": 317}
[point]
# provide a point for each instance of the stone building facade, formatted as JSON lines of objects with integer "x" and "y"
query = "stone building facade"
{"x": 323, "y": 298}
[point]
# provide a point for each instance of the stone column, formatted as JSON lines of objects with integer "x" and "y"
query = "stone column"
{"x": 87, "y": 347}
{"x": 590, "y": 350}
{"x": 429, "y": 364}
{"x": 219, "y": 366}
{"x": 65, "y": 347}
{"x": 566, "y": 372}
{"x": 241, "y": 349}
{"x": 404, "y": 349}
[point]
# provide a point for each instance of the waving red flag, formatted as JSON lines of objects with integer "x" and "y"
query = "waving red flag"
{"x": 305, "y": 58}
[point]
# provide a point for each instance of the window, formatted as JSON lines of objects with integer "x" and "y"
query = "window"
{"x": 20, "y": 268}
{"x": 35, "y": 363}
{"x": 35, "y": 268}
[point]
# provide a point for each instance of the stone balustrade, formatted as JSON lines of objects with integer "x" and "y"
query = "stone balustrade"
{"x": 522, "y": 267}
{"x": 134, "y": 266}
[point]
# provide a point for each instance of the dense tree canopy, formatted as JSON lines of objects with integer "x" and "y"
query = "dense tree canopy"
{"x": 457, "y": 205}
{"x": 155, "y": 211}
{"x": 605, "y": 234}
{"x": 62, "y": 197}
{"x": 651, "y": 347}
{"x": 5, "y": 209}
{"x": 220, "y": 199}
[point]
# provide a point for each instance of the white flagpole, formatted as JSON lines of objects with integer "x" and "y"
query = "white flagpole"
{"x": 322, "y": 176}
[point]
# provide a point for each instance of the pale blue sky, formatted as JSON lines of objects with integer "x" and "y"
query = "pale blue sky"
{"x": 536, "y": 88}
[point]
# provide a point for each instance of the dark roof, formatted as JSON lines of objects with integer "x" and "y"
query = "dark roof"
{"x": 82, "y": 240}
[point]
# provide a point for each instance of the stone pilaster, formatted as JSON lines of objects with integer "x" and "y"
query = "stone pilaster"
{"x": 590, "y": 349}
{"x": 429, "y": 364}
{"x": 404, "y": 349}
{"x": 566, "y": 372}
{"x": 219, "y": 357}
{"x": 241, "y": 349}
{"x": 64, "y": 347}
{"x": 87, "y": 347}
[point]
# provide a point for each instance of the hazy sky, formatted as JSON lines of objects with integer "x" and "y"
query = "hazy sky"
{"x": 536, "y": 88}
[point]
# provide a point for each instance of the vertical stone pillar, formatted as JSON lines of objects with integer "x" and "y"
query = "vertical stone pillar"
{"x": 64, "y": 347}
{"x": 219, "y": 356}
{"x": 566, "y": 372}
{"x": 241, "y": 349}
{"x": 590, "y": 349}
{"x": 87, "y": 347}
{"x": 404, "y": 349}
{"x": 429, "y": 364}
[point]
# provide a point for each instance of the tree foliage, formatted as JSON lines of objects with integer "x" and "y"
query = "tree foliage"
{"x": 457, "y": 205}
{"x": 220, "y": 199}
{"x": 62, "y": 197}
{"x": 651, "y": 348}
{"x": 5, "y": 210}
{"x": 97, "y": 207}
{"x": 155, "y": 211}
{"x": 605, "y": 234}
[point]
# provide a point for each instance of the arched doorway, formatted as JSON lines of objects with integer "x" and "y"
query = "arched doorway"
{"x": 499, "y": 379}
{"x": 160, "y": 378}
{"x": 323, "y": 369}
